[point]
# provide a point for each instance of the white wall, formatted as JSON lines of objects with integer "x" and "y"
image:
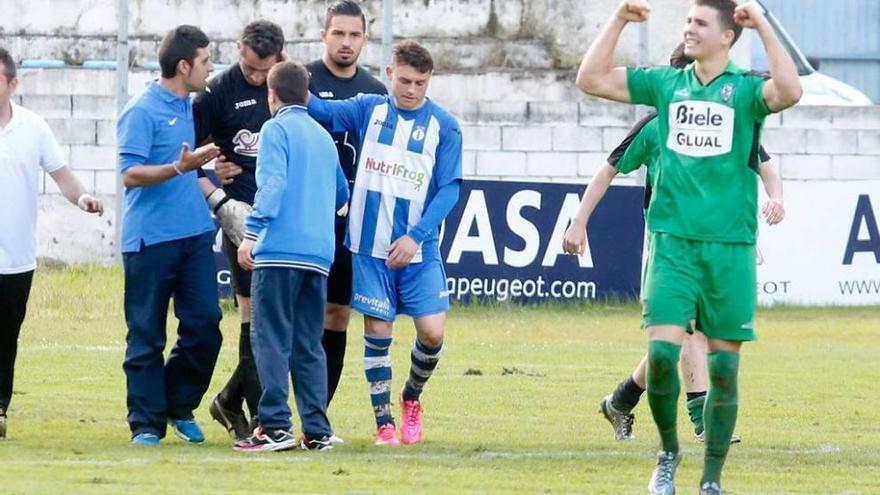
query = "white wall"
{"x": 517, "y": 137}
{"x": 561, "y": 29}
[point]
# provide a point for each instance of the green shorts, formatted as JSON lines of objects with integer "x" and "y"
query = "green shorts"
{"x": 712, "y": 282}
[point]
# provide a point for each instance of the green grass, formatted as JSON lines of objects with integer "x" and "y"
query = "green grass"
{"x": 808, "y": 408}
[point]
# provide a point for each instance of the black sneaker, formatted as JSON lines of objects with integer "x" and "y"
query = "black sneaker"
{"x": 266, "y": 441}
{"x": 323, "y": 443}
{"x": 234, "y": 422}
{"x": 2, "y": 424}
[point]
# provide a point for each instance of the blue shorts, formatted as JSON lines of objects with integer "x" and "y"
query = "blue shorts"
{"x": 418, "y": 289}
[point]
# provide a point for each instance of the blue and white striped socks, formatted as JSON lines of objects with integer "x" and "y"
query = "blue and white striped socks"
{"x": 424, "y": 360}
{"x": 377, "y": 366}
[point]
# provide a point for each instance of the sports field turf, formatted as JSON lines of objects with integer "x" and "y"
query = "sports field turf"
{"x": 512, "y": 408}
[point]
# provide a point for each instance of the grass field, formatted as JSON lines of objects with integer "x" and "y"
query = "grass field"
{"x": 809, "y": 413}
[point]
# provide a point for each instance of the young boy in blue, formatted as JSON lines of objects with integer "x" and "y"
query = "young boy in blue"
{"x": 407, "y": 182}
{"x": 289, "y": 244}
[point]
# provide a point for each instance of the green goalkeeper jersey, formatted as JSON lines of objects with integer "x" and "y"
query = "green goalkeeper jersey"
{"x": 708, "y": 138}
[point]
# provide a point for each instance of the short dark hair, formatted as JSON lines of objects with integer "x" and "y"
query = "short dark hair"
{"x": 344, "y": 7}
{"x": 290, "y": 82}
{"x": 678, "y": 59}
{"x": 8, "y": 64}
{"x": 181, "y": 43}
{"x": 725, "y": 10}
{"x": 265, "y": 38}
{"x": 413, "y": 54}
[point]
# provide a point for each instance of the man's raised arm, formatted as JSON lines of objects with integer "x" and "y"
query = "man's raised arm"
{"x": 596, "y": 76}
{"x": 784, "y": 87}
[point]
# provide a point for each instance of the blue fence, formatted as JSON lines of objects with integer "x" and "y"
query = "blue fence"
{"x": 502, "y": 242}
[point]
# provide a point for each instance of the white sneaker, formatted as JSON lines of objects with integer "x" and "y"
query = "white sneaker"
{"x": 701, "y": 438}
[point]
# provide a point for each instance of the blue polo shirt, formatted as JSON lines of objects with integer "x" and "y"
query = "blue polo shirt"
{"x": 150, "y": 131}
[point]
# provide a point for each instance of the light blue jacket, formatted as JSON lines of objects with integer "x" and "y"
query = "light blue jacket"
{"x": 300, "y": 185}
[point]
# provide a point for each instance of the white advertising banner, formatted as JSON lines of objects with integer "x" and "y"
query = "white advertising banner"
{"x": 827, "y": 250}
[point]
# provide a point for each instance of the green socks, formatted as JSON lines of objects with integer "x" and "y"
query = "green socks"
{"x": 720, "y": 412}
{"x": 663, "y": 390}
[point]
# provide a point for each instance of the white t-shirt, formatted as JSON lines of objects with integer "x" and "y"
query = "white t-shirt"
{"x": 27, "y": 148}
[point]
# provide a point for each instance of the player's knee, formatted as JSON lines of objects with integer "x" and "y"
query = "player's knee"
{"x": 723, "y": 370}
{"x": 662, "y": 358}
{"x": 375, "y": 327}
{"x": 244, "y": 306}
{"x": 337, "y": 317}
{"x": 431, "y": 338}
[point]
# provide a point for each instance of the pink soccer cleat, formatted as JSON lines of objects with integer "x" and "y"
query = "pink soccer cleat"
{"x": 411, "y": 430}
{"x": 387, "y": 435}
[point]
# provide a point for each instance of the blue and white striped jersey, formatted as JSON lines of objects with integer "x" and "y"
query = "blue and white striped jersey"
{"x": 406, "y": 157}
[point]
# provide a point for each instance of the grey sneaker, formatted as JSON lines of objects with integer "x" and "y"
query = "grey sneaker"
{"x": 2, "y": 424}
{"x": 621, "y": 421}
{"x": 710, "y": 488}
{"x": 663, "y": 479}
{"x": 701, "y": 438}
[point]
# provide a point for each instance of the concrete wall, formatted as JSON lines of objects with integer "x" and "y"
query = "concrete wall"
{"x": 510, "y": 133}
{"x": 499, "y": 33}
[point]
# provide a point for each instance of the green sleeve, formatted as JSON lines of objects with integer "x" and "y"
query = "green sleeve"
{"x": 759, "y": 103}
{"x": 643, "y": 83}
{"x": 638, "y": 153}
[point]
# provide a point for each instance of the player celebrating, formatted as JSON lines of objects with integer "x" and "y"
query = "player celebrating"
{"x": 408, "y": 180}
{"x": 167, "y": 238}
{"x": 641, "y": 147}
{"x": 27, "y": 147}
{"x": 703, "y": 218}
{"x": 231, "y": 114}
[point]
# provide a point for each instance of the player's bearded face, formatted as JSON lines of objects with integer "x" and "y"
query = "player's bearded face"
{"x": 201, "y": 68}
{"x": 344, "y": 39}
{"x": 408, "y": 86}
{"x": 703, "y": 35}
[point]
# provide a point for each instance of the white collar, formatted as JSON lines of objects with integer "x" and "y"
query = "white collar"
{"x": 14, "y": 119}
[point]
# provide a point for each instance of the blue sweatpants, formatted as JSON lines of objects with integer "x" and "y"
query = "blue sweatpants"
{"x": 287, "y": 323}
{"x": 160, "y": 389}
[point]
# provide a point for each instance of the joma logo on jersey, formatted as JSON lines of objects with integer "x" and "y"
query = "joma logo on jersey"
{"x": 245, "y": 104}
{"x": 382, "y": 123}
{"x": 397, "y": 171}
{"x": 700, "y": 128}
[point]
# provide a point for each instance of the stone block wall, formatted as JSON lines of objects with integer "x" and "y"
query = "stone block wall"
{"x": 518, "y": 137}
